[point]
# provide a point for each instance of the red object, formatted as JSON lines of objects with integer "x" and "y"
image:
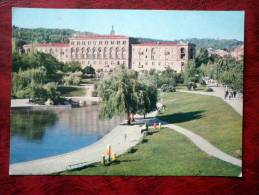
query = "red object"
{"x": 154, "y": 125}
{"x": 249, "y": 184}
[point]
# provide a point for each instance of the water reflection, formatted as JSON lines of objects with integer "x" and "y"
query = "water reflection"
{"x": 31, "y": 124}
{"x": 38, "y": 134}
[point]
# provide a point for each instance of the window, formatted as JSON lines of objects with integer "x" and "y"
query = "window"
{"x": 106, "y": 42}
{"x": 89, "y": 42}
{"x": 182, "y": 53}
{"x": 124, "y": 42}
{"x": 100, "y": 42}
{"x": 78, "y": 42}
{"x": 72, "y": 43}
{"x": 118, "y": 42}
{"x": 112, "y": 42}
{"x": 94, "y": 42}
{"x": 83, "y": 42}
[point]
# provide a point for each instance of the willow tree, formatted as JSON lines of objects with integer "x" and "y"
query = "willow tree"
{"x": 118, "y": 94}
{"x": 146, "y": 99}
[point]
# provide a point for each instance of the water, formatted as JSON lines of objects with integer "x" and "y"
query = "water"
{"x": 39, "y": 134}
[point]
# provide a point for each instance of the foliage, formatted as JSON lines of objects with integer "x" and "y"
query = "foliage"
{"x": 72, "y": 78}
{"x": 89, "y": 70}
{"x": 43, "y": 34}
{"x": 168, "y": 88}
{"x": 120, "y": 92}
{"x": 52, "y": 92}
{"x": 73, "y": 66}
{"x": 36, "y": 60}
{"x": 24, "y": 82}
{"x": 94, "y": 93}
{"x": 191, "y": 73}
{"x": 202, "y": 57}
{"x": 146, "y": 99}
{"x": 70, "y": 91}
{"x": 191, "y": 86}
{"x": 209, "y": 89}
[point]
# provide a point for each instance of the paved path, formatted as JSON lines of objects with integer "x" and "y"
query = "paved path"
{"x": 205, "y": 146}
{"x": 200, "y": 142}
{"x": 83, "y": 156}
{"x": 236, "y": 104}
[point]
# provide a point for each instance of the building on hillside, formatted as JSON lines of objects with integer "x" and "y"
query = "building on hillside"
{"x": 161, "y": 55}
{"x": 106, "y": 52}
{"x": 238, "y": 52}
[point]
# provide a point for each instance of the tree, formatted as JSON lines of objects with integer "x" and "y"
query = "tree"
{"x": 202, "y": 57}
{"x": 146, "y": 99}
{"x": 72, "y": 78}
{"x": 118, "y": 95}
{"x": 73, "y": 66}
{"x": 122, "y": 92}
{"x": 191, "y": 73}
{"x": 89, "y": 70}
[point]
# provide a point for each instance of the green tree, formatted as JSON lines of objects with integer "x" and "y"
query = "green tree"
{"x": 122, "y": 92}
{"x": 202, "y": 57}
{"x": 89, "y": 70}
{"x": 146, "y": 99}
{"x": 73, "y": 66}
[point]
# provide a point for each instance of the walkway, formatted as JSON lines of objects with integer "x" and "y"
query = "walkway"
{"x": 200, "y": 142}
{"x": 236, "y": 104}
{"x": 83, "y": 156}
{"x": 205, "y": 146}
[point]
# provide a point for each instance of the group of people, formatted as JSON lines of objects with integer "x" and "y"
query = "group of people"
{"x": 230, "y": 94}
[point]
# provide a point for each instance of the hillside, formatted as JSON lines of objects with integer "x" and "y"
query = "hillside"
{"x": 26, "y": 35}
{"x": 43, "y": 34}
{"x": 205, "y": 42}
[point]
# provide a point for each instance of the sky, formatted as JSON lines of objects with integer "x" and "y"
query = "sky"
{"x": 156, "y": 24}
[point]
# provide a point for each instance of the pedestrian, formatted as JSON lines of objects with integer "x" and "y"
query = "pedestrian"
{"x": 226, "y": 94}
{"x": 235, "y": 93}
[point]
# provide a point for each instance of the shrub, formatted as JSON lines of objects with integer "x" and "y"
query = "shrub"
{"x": 191, "y": 86}
{"x": 94, "y": 93}
{"x": 72, "y": 78}
{"x": 209, "y": 90}
{"x": 167, "y": 88}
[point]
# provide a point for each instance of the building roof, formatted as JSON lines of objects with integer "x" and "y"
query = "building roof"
{"x": 52, "y": 44}
{"x": 153, "y": 43}
{"x": 82, "y": 37}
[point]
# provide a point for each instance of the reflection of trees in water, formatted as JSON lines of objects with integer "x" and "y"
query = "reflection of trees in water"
{"x": 31, "y": 124}
{"x": 85, "y": 120}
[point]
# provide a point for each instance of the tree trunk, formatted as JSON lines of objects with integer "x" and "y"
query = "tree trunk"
{"x": 132, "y": 118}
{"x": 128, "y": 120}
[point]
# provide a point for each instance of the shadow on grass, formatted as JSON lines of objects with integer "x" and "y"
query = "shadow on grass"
{"x": 152, "y": 132}
{"x": 144, "y": 141}
{"x": 182, "y": 117}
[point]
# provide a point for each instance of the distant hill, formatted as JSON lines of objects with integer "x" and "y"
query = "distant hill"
{"x": 214, "y": 43}
{"x": 27, "y": 35}
{"x": 205, "y": 43}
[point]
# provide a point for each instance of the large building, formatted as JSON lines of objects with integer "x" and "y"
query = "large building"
{"x": 106, "y": 52}
{"x": 161, "y": 55}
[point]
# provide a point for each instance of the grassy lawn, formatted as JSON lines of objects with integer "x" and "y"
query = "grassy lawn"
{"x": 70, "y": 91}
{"x": 88, "y": 81}
{"x": 163, "y": 152}
{"x": 207, "y": 116}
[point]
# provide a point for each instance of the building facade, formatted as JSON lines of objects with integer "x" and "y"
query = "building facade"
{"x": 161, "y": 55}
{"x": 106, "y": 52}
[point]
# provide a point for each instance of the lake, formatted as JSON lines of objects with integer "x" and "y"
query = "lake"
{"x": 39, "y": 134}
